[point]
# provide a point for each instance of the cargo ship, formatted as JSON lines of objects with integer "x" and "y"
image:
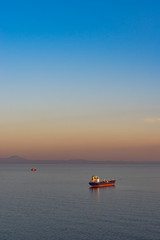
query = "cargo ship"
{"x": 95, "y": 182}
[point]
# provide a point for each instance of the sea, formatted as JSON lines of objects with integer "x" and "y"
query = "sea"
{"x": 56, "y": 202}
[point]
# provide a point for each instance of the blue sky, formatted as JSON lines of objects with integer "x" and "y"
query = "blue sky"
{"x": 78, "y": 60}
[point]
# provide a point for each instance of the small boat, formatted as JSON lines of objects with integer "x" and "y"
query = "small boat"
{"x": 33, "y": 169}
{"x": 95, "y": 182}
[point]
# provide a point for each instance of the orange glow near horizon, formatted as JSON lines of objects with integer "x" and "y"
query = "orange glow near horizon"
{"x": 94, "y": 140}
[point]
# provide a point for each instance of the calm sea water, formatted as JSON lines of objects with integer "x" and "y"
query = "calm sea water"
{"x": 56, "y": 202}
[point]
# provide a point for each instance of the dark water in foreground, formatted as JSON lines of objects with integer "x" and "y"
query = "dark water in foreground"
{"x": 56, "y": 202}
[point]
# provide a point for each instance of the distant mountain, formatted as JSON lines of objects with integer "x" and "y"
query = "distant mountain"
{"x": 14, "y": 159}
{"x": 18, "y": 159}
{"x": 77, "y": 161}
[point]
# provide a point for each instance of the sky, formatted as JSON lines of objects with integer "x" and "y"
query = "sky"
{"x": 80, "y": 79}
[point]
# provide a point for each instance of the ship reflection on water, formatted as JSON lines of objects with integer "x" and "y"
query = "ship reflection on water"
{"x": 95, "y": 192}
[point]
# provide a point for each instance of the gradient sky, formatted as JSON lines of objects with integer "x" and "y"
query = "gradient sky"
{"x": 80, "y": 79}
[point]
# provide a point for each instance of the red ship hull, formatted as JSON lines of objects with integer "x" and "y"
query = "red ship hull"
{"x": 102, "y": 184}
